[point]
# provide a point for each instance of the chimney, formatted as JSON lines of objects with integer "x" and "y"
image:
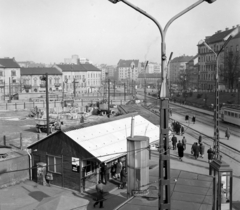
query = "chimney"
{"x": 226, "y": 29}
{"x": 233, "y": 27}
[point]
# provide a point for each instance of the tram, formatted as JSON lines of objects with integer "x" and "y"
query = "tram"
{"x": 231, "y": 114}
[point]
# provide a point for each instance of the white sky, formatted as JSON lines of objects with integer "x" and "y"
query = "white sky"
{"x": 48, "y": 31}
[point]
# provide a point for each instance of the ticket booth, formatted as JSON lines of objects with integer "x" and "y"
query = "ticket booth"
{"x": 222, "y": 185}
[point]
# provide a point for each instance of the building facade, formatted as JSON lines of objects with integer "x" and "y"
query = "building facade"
{"x": 152, "y": 80}
{"x": 128, "y": 70}
{"x": 81, "y": 77}
{"x": 31, "y": 82}
{"x": 178, "y": 67}
{"x": 192, "y": 74}
{"x": 9, "y": 77}
{"x": 207, "y": 59}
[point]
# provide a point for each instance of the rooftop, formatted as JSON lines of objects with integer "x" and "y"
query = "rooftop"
{"x": 127, "y": 63}
{"x": 8, "y": 63}
{"x": 182, "y": 59}
{"x": 77, "y": 67}
{"x": 40, "y": 71}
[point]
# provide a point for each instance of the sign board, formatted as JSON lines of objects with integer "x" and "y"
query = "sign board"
{"x": 75, "y": 164}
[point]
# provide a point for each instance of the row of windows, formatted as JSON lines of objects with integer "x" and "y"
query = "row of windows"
{"x": 232, "y": 114}
{"x": 13, "y": 73}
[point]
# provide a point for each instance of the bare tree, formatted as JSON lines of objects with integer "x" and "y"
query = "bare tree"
{"x": 231, "y": 70}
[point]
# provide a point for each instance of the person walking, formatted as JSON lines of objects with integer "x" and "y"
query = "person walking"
{"x": 103, "y": 173}
{"x": 113, "y": 169}
{"x": 200, "y": 139}
{"x": 123, "y": 178}
{"x": 174, "y": 141}
{"x": 201, "y": 150}
{"x": 119, "y": 169}
{"x": 196, "y": 153}
{"x": 227, "y": 133}
{"x": 193, "y": 119}
{"x": 100, "y": 198}
{"x": 182, "y": 130}
{"x": 184, "y": 143}
{"x": 210, "y": 154}
{"x": 180, "y": 150}
{"x": 193, "y": 149}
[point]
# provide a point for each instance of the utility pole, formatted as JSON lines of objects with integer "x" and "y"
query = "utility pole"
{"x": 63, "y": 94}
{"x": 132, "y": 80}
{"x": 108, "y": 97}
{"x": 114, "y": 88}
{"x": 145, "y": 85}
{"x": 4, "y": 90}
{"x": 124, "y": 91}
{"x": 47, "y": 104}
{"x": 45, "y": 78}
{"x": 9, "y": 89}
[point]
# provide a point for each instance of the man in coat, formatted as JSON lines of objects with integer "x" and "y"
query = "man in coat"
{"x": 100, "y": 198}
{"x": 119, "y": 169}
{"x": 184, "y": 143}
{"x": 197, "y": 150}
{"x": 174, "y": 141}
{"x": 227, "y": 133}
{"x": 200, "y": 139}
{"x": 202, "y": 150}
{"x": 180, "y": 150}
{"x": 193, "y": 119}
{"x": 210, "y": 154}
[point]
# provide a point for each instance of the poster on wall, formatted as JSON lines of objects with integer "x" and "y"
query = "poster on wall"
{"x": 75, "y": 164}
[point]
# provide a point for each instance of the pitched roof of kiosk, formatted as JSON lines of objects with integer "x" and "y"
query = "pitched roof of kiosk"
{"x": 107, "y": 141}
{"x": 9, "y": 63}
{"x": 40, "y": 71}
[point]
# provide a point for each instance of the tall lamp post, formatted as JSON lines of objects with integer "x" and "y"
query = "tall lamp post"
{"x": 217, "y": 167}
{"x": 145, "y": 85}
{"x": 216, "y": 110}
{"x": 132, "y": 81}
{"x": 164, "y": 154}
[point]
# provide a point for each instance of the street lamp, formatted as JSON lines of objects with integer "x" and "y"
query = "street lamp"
{"x": 164, "y": 153}
{"x": 45, "y": 78}
{"x": 238, "y": 89}
{"x": 216, "y": 110}
{"x": 132, "y": 80}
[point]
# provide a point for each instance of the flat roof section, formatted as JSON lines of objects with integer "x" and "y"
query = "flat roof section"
{"x": 190, "y": 191}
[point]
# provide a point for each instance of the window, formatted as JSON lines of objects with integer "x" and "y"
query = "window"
{"x": 231, "y": 49}
{"x": 232, "y": 114}
{"x": 236, "y": 50}
{"x": 50, "y": 81}
{"x": 1, "y": 74}
{"x": 236, "y": 115}
{"x": 35, "y": 81}
{"x": 54, "y": 164}
{"x": 13, "y": 73}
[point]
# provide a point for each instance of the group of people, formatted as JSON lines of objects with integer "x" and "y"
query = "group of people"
{"x": 177, "y": 128}
{"x": 197, "y": 150}
{"x": 193, "y": 119}
{"x": 181, "y": 146}
{"x": 118, "y": 172}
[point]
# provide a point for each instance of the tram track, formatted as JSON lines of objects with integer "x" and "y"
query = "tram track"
{"x": 225, "y": 149}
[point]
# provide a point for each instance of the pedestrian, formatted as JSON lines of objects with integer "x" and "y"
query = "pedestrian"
{"x": 196, "y": 151}
{"x": 184, "y": 143}
{"x": 193, "y": 119}
{"x": 202, "y": 150}
{"x": 174, "y": 141}
{"x": 170, "y": 111}
{"x": 100, "y": 198}
{"x": 193, "y": 149}
{"x": 119, "y": 169}
{"x": 103, "y": 173}
{"x": 200, "y": 139}
{"x": 180, "y": 150}
{"x": 123, "y": 178}
{"x": 113, "y": 169}
{"x": 227, "y": 133}
{"x": 182, "y": 130}
{"x": 210, "y": 154}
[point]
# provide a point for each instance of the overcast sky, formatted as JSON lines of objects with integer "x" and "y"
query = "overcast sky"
{"x": 48, "y": 31}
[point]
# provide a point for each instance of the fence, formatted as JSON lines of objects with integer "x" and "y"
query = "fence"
{"x": 82, "y": 103}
